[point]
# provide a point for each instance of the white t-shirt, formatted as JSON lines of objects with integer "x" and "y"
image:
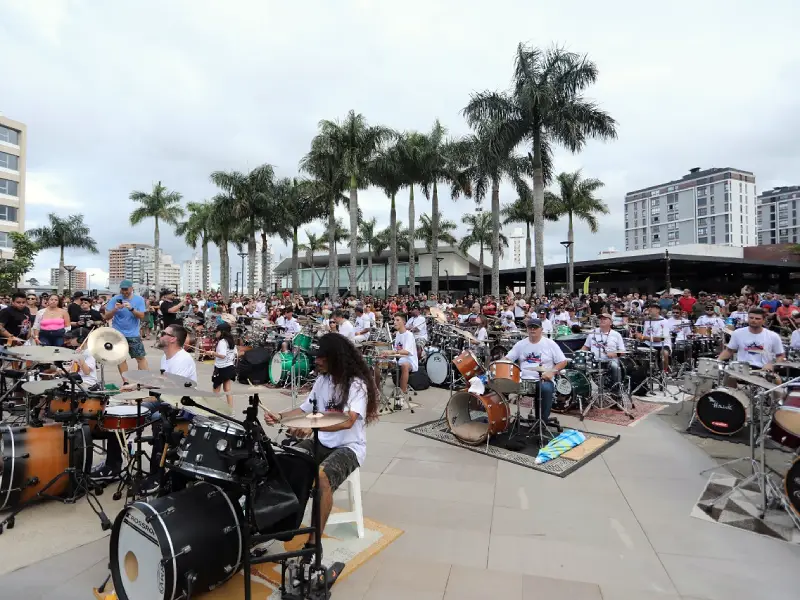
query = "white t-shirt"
{"x": 658, "y": 328}
{"x": 617, "y": 320}
{"x": 519, "y": 308}
{"x": 90, "y": 379}
{"x": 362, "y": 323}
{"x": 354, "y": 438}
{"x": 230, "y": 355}
{"x": 482, "y": 335}
{"x": 716, "y": 323}
{"x": 507, "y": 315}
{"x": 758, "y": 349}
{"x": 545, "y": 353}
{"x": 372, "y": 318}
{"x": 181, "y": 364}
{"x": 420, "y": 323}
{"x": 739, "y": 317}
{"x": 794, "y": 343}
{"x": 405, "y": 341}
{"x": 290, "y": 326}
{"x": 601, "y": 343}
{"x": 680, "y": 326}
{"x": 562, "y": 317}
{"x": 346, "y": 329}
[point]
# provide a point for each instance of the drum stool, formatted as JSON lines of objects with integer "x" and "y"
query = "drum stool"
{"x": 356, "y": 513}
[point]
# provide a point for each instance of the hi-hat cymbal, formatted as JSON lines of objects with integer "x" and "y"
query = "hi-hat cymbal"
{"x": 133, "y": 395}
{"x": 215, "y": 402}
{"x": 108, "y": 346}
{"x": 316, "y": 421}
{"x": 40, "y": 387}
{"x": 152, "y": 379}
{"x": 44, "y": 354}
{"x": 183, "y": 391}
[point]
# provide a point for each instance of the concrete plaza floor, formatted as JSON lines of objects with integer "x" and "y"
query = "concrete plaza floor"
{"x": 476, "y": 528}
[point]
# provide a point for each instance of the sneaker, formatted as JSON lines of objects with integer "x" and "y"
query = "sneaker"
{"x": 106, "y": 472}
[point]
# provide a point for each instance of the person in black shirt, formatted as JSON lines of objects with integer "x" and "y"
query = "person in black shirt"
{"x": 15, "y": 319}
{"x": 170, "y": 308}
{"x": 74, "y": 308}
{"x": 597, "y": 305}
{"x": 87, "y": 317}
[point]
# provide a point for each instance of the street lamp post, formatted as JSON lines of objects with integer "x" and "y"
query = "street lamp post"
{"x": 566, "y": 249}
{"x": 669, "y": 275}
{"x": 242, "y": 255}
{"x": 447, "y": 274}
{"x": 385, "y": 283}
{"x": 237, "y": 282}
{"x": 69, "y": 269}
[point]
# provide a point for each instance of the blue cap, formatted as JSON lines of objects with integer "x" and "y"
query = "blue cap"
{"x": 533, "y": 323}
{"x": 125, "y": 283}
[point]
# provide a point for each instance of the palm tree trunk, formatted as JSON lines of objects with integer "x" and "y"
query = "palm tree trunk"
{"x": 496, "y": 238}
{"x": 538, "y": 210}
{"x": 571, "y": 239}
{"x": 157, "y": 242}
{"x": 61, "y": 271}
{"x": 224, "y": 271}
{"x": 204, "y": 277}
{"x": 295, "y": 265}
{"x": 412, "y": 281}
{"x": 393, "y": 247}
{"x": 528, "y": 290}
{"x": 310, "y": 259}
{"x": 251, "y": 258}
{"x": 435, "y": 240}
{"x": 480, "y": 273}
{"x": 353, "y": 234}
{"x": 369, "y": 270}
{"x": 264, "y": 266}
{"x": 332, "y": 266}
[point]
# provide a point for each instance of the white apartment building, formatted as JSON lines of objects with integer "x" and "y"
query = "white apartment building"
{"x": 13, "y": 142}
{"x": 777, "y": 216}
{"x": 710, "y": 206}
{"x": 192, "y": 274}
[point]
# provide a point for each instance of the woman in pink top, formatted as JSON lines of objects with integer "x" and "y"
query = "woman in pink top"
{"x": 52, "y": 322}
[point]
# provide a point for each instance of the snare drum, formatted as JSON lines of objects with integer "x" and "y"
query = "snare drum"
{"x": 209, "y": 451}
{"x": 123, "y": 418}
{"x": 467, "y": 364}
{"x": 472, "y": 418}
{"x": 504, "y": 376}
{"x": 785, "y": 428}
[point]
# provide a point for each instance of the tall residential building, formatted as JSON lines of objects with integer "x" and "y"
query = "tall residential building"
{"x": 138, "y": 265}
{"x": 116, "y": 261}
{"x": 13, "y": 142}
{"x": 777, "y": 216}
{"x": 192, "y": 274}
{"x": 711, "y": 206}
{"x": 74, "y": 281}
{"x": 169, "y": 274}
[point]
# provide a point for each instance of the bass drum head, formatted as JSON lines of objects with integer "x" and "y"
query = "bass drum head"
{"x": 472, "y": 418}
{"x": 279, "y": 362}
{"x": 722, "y": 410}
{"x": 438, "y": 368}
{"x": 792, "y": 486}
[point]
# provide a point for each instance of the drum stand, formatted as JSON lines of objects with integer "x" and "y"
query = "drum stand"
{"x": 533, "y": 422}
{"x": 603, "y": 400}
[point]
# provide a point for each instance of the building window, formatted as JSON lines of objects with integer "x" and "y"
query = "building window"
{"x": 701, "y": 191}
{"x": 702, "y": 230}
{"x": 656, "y": 219}
{"x": 713, "y": 240}
{"x": 701, "y": 222}
{"x": 727, "y": 238}
{"x": 9, "y": 161}
{"x": 5, "y": 240}
{"x": 702, "y": 201}
{"x": 713, "y": 229}
{"x": 8, "y": 187}
{"x": 672, "y": 243}
{"x": 655, "y": 245}
{"x": 654, "y": 202}
{"x": 8, "y": 213}
{"x": 9, "y": 135}
{"x": 655, "y": 229}
{"x": 702, "y": 212}
{"x": 655, "y": 210}
{"x": 673, "y": 235}
{"x": 672, "y": 226}
{"x": 702, "y": 240}
{"x": 740, "y": 186}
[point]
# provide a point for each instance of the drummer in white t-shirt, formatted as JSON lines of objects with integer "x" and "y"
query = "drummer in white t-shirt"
{"x": 759, "y": 347}
{"x": 406, "y": 347}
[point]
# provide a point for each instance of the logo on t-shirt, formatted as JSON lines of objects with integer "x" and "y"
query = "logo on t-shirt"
{"x": 533, "y": 358}
{"x": 755, "y": 347}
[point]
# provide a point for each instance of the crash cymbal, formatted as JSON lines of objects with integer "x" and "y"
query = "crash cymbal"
{"x": 438, "y": 314}
{"x": 228, "y": 318}
{"x": 152, "y": 379}
{"x": 316, "y": 421}
{"x": 542, "y": 369}
{"x": 751, "y": 379}
{"x": 183, "y": 391}
{"x": 133, "y": 395}
{"x": 788, "y": 364}
{"x": 108, "y": 346}
{"x": 44, "y": 354}
{"x": 40, "y": 387}
{"x": 466, "y": 334}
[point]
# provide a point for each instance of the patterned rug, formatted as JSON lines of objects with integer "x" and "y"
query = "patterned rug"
{"x": 511, "y": 451}
{"x": 739, "y": 510}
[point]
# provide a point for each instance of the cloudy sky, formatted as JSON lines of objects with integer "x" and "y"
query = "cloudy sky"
{"x": 119, "y": 95}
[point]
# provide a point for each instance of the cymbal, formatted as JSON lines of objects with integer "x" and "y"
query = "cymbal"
{"x": 44, "y": 354}
{"x": 542, "y": 369}
{"x": 152, "y": 379}
{"x": 133, "y": 395}
{"x": 40, "y": 387}
{"x": 751, "y": 379}
{"x": 789, "y": 364}
{"x": 190, "y": 392}
{"x": 316, "y": 421}
{"x": 108, "y": 346}
{"x": 466, "y": 334}
{"x": 438, "y": 314}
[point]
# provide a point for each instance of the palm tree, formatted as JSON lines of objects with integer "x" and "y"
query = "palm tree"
{"x": 576, "y": 199}
{"x": 379, "y": 244}
{"x": 487, "y": 165}
{"x": 412, "y": 148}
{"x": 324, "y": 166}
{"x": 314, "y": 243}
{"x": 250, "y": 195}
{"x": 480, "y": 231}
{"x": 425, "y": 232}
{"x": 521, "y": 211}
{"x": 340, "y": 234}
{"x": 355, "y": 144}
{"x": 441, "y": 166}
{"x": 71, "y": 232}
{"x": 369, "y": 237}
{"x": 544, "y": 106}
{"x": 387, "y": 174}
{"x": 296, "y": 204}
{"x": 197, "y": 228}
{"x": 225, "y": 229}
{"x": 160, "y": 205}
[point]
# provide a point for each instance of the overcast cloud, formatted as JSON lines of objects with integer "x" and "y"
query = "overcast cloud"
{"x": 118, "y": 95}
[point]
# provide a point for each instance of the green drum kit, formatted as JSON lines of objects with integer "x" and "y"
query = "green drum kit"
{"x": 280, "y": 367}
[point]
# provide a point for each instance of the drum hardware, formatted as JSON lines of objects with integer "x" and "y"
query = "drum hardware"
{"x": 623, "y": 403}
{"x": 459, "y": 415}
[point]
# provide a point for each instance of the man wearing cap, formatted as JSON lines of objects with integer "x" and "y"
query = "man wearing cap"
{"x": 656, "y": 334}
{"x": 606, "y": 344}
{"x": 126, "y": 311}
{"x": 711, "y": 320}
{"x": 362, "y": 325}
{"x": 419, "y": 327}
{"x": 539, "y": 352}
{"x": 547, "y": 324}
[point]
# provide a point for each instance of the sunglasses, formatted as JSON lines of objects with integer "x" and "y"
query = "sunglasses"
{"x": 163, "y": 333}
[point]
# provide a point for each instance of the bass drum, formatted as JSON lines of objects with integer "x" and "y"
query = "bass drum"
{"x": 570, "y": 382}
{"x": 791, "y": 484}
{"x": 637, "y": 373}
{"x": 723, "y": 411}
{"x": 33, "y": 456}
{"x": 472, "y": 418}
{"x": 157, "y": 547}
{"x": 438, "y": 368}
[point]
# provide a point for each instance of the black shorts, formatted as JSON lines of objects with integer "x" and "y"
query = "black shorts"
{"x": 337, "y": 463}
{"x": 223, "y": 374}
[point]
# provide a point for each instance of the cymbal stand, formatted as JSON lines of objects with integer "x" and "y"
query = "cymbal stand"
{"x": 17, "y": 384}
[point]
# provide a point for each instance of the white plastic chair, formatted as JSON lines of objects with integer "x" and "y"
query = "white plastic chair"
{"x": 356, "y": 512}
